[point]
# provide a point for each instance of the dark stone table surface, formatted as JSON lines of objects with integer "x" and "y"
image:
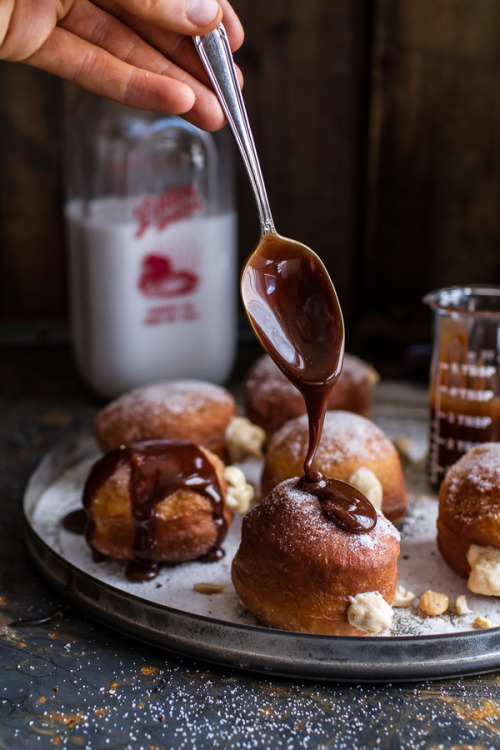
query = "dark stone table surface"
{"x": 73, "y": 682}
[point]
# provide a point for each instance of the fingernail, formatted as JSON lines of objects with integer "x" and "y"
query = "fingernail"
{"x": 202, "y": 12}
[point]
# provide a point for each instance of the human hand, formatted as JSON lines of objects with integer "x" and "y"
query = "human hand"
{"x": 137, "y": 52}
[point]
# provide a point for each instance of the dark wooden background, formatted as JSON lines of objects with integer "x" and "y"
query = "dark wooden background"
{"x": 378, "y": 128}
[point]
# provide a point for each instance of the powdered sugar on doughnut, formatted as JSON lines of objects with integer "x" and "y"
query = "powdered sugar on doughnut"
{"x": 173, "y": 409}
{"x": 345, "y": 435}
{"x": 358, "y": 370}
{"x": 180, "y": 395}
{"x": 288, "y": 501}
{"x": 480, "y": 468}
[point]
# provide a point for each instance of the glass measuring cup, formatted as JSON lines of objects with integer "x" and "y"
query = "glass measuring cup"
{"x": 465, "y": 374}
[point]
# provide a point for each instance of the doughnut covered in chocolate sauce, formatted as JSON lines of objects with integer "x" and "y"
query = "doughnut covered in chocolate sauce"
{"x": 156, "y": 502}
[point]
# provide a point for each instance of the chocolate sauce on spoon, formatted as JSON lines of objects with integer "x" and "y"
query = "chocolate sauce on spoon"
{"x": 289, "y": 298}
{"x": 295, "y": 312}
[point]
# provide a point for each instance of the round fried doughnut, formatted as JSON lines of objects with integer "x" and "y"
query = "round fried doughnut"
{"x": 469, "y": 505}
{"x": 156, "y": 502}
{"x": 270, "y": 399}
{"x": 295, "y": 569}
{"x": 349, "y": 442}
{"x": 173, "y": 409}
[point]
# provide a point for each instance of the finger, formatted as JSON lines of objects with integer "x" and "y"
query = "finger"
{"x": 182, "y": 16}
{"x": 24, "y": 28}
{"x": 104, "y": 30}
{"x": 180, "y": 49}
{"x": 90, "y": 22}
{"x": 97, "y": 70}
{"x": 233, "y": 25}
{"x": 166, "y": 18}
{"x": 142, "y": 20}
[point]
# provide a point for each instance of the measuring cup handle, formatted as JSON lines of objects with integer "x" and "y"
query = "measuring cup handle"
{"x": 217, "y": 58}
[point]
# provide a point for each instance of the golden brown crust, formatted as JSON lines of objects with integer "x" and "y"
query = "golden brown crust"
{"x": 469, "y": 505}
{"x": 349, "y": 441}
{"x": 178, "y": 409}
{"x": 454, "y": 548}
{"x": 271, "y": 400}
{"x": 184, "y": 525}
{"x": 295, "y": 569}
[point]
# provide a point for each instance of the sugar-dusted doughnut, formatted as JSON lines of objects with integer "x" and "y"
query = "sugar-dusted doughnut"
{"x": 296, "y": 569}
{"x": 270, "y": 399}
{"x": 349, "y": 442}
{"x": 469, "y": 506}
{"x": 173, "y": 409}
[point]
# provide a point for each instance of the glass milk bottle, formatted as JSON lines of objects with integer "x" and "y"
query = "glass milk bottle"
{"x": 151, "y": 229}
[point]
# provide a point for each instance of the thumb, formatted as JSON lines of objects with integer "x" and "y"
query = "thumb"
{"x": 188, "y": 17}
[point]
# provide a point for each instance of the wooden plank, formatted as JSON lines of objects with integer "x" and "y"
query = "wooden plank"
{"x": 31, "y": 245}
{"x": 304, "y": 66}
{"x": 434, "y": 158}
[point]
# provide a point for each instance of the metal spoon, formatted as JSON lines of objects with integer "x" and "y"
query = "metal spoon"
{"x": 288, "y": 295}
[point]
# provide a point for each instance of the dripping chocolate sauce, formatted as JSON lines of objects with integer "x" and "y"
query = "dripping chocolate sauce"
{"x": 75, "y": 522}
{"x": 295, "y": 312}
{"x": 157, "y": 470}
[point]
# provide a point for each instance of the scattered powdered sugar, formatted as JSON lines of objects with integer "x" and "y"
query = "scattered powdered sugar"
{"x": 421, "y": 567}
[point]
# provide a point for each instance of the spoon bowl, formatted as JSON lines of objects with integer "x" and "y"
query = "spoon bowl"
{"x": 294, "y": 310}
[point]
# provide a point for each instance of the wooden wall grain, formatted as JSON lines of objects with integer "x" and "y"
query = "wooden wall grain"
{"x": 433, "y": 160}
{"x": 32, "y": 278}
{"x": 378, "y": 126}
{"x": 305, "y": 79}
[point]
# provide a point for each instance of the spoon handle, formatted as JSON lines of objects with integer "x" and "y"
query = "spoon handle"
{"x": 216, "y": 56}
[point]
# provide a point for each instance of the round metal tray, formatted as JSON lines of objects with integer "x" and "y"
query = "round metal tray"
{"x": 234, "y": 644}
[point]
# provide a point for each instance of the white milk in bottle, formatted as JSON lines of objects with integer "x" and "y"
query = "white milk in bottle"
{"x": 152, "y": 248}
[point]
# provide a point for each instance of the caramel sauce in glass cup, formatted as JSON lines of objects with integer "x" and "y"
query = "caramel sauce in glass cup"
{"x": 464, "y": 390}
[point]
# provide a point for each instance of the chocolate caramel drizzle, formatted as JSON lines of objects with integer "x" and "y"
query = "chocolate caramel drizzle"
{"x": 157, "y": 470}
{"x": 75, "y": 522}
{"x": 295, "y": 312}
